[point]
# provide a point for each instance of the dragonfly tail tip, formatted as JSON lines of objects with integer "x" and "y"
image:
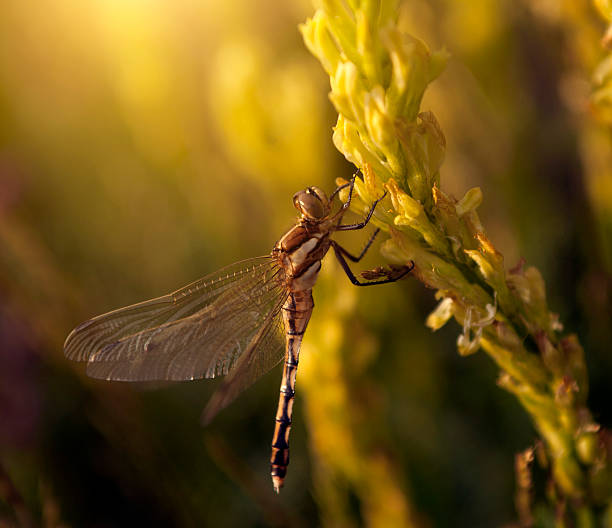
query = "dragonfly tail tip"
{"x": 277, "y": 482}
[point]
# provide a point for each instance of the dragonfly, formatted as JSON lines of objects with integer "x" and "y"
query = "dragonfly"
{"x": 239, "y": 322}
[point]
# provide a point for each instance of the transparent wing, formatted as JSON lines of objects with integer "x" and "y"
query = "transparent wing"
{"x": 261, "y": 355}
{"x": 199, "y": 331}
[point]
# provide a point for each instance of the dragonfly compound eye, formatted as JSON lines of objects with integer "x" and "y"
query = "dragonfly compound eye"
{"x": 312, "y": 203}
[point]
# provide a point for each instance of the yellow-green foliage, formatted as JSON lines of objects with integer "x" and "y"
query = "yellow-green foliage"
{"x": 378, "y": 75}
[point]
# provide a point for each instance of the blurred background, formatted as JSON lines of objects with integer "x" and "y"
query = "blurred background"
{"x": 146, "y": 143}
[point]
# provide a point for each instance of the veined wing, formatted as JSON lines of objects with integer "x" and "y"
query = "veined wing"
{"x": 198, "y": 331}
{"x": 261, "y": 354}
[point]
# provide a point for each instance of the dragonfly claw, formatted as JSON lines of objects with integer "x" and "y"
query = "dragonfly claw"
{"x": 392, "y": 273}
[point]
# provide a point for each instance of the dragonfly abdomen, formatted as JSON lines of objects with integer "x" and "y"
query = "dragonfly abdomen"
{"x": 296, "y": 314}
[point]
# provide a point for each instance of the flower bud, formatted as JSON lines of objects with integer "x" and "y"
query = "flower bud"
{"x": 440, "y": 316}
{"x": 470, "y": 201}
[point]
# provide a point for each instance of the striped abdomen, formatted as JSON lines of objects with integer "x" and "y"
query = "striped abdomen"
{"x": 296, "y": 313}
{"x": 299, "y": 252}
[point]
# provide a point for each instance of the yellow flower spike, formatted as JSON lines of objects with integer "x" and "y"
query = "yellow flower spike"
{"x": 380, "y": 130}
{"x": 353, "y": 88}
{"x": 456, "y": 229}
{"x": 506, "y": 348}
{"x": 412, "y": 214}
{"x": 366, "y": 46}
{"x": 341, "y": 84}
{"x": 420, "y": 73}
{"x": 472, "y": 223}
{"x": 391, "y": 38}
{"x": 308, "y": 30}
{"x": 491, "y": 266}
{"x": 508, "y": 338}
{"x": 320, "y": 43}
{"x": 341, "y": 23}
{"x": 363, "y": 193}
{"x": 393, "y": 190}
{"x": 538, "y": 403}
{"x": 400, "y": 251}
{"x": 347, "y": 139}
{"x": 406, "y": 206}
{"x": 431, "y": 269}
{"x": 441, "y": 314}
{"x": 432, "y": 144}
{"x": 372, "y": 182}
{"x": 378, "y": 96}
{"x": 363, "y": 190}
{"x": 488, "y": 248}
{"x": 423, "y": 148}
{"x": 413, "y": 68}
{"x": 341, "y": 102}
{"x": 487, "y": 270}
{"x": 470, "y": 201}
{"x": 378, "y": 125}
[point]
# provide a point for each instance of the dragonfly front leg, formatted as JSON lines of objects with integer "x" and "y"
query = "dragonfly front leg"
{"x": 357, "y": 258}
{"x": 296, "y": 314}
{"x": 362, "y": 224}
{"x": 338, "y": 216}
{"x": 350, "y": 184}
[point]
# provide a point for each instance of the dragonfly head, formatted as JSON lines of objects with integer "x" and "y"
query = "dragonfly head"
{"x": 312, "y": 203}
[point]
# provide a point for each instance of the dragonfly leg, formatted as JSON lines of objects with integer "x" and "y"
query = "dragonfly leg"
{"x": 351, "y": 183}
{"x": 357, "y": 258}
{"x": 359, "y": 225}
{"x": 339, "y": 188}
{"x": 391, "y": 275}
{"x": 346, "y": 205}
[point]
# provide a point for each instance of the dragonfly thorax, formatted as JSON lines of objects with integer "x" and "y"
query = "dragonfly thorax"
{"x": 312, "y": 202}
